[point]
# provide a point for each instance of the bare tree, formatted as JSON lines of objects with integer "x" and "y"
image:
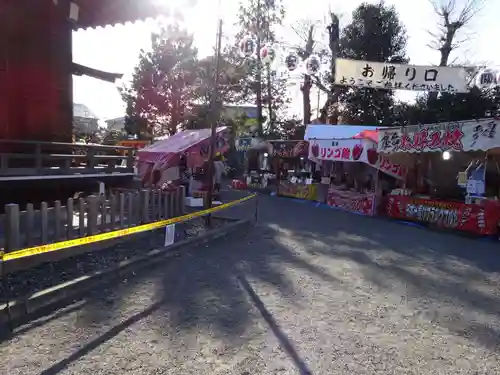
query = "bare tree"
{"x": 305, "y": 31}
{"x": 453, "y": 18}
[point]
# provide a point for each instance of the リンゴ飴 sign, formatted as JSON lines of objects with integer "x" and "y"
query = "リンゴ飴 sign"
{"x": 400, "y": 77}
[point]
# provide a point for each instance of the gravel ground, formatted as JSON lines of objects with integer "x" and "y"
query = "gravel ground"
{"x": 309, "y": 290}
{"x": 50, "y": 274}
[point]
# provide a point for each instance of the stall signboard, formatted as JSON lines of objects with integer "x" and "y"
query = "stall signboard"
{"x": 479, "y": 219}
{"x": 243, "y": 144}
{"x": 448, "y": 136}
{"x": 299, "y": 191}
{"x": 354, "y": 150}
{"x": 289, "y": 149}
{"x": 351, "y": 201}
{"x": 349, "y": 150}
{"x": 358, "y": 73}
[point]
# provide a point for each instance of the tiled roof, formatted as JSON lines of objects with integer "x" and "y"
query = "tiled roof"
{"x": 100, "y": 13}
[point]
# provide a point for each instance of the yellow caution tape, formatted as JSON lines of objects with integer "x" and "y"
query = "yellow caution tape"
{"x": 36, "y": 250}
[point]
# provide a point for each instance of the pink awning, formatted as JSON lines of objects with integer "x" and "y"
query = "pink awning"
{"x": 194, "y": 144}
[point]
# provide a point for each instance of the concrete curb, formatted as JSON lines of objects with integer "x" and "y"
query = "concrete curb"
{"x": 23, "y": 309}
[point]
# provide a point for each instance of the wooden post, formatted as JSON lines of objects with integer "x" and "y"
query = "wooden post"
{"x": 81, "y": 217}
{"x": 130, "y": 209}
{"x": 154, "y": 204}
{"x": 137, "y": 208}
{"x": 57, "y": 220}
{"x": 112, "y": 211}
{"x": 182, "y": 198}
{"x": 90, "y": 157}
{"x": 12, "y": 235}
{"x": 171, "y": 196}
{"x": 38, "y": 157}
{"x": 144, "y": 206}
{"x": 104, "y": 213}
{"x": 160, "y": 205}
{"x": 30, "y": 224}
{"x": 92, "y": 214}
{"x": 44, "y": 222}
{"x": 130, "y": 159}
{"x": 121, "y": 210}
{"x": 166, "y": 205}
{"x": 69, "y": 219}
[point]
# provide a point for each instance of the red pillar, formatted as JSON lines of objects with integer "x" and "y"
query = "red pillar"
{"x": 35, "y": 70}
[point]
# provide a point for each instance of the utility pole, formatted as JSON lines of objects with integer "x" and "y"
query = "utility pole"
{"x": 333, "y": 33}
{"x": 215, "y": 117}
{"x": 258, "y": 84}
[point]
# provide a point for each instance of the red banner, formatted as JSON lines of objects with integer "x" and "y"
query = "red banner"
{"x": 480, "y": 219}
{"x": 352, "y": 201}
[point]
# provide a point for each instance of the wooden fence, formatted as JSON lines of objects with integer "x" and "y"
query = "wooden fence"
{"x": 31, "y": 158}
{"x": 86, "y": 216}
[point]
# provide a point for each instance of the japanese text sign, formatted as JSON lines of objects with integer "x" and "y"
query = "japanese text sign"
{"x": 352, "y": 150}
{"x": 480, "y": 219}
{"x": 449, "y": 136}
{"x": 340, "y": 150}
{"x": 401, "y": 77}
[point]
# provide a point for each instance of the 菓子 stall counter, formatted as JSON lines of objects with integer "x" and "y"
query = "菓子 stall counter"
{"x": 298, "y": 190}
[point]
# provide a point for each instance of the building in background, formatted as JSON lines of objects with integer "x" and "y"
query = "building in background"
{"x": 115, "y": 124}
{"x": 84, "y": 120}
{"x": 234, "y": 111}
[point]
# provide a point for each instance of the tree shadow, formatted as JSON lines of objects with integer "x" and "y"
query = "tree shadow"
{"x": 455, "y": 275}
{"x": 203, "y": 292}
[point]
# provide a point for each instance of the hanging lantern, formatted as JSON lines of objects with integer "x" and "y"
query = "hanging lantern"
{"x": 247, "y": 46}
{"x": 267, "y": 54}
{"x": 312, "y": 65}
{"x": 291, "y": 62}
{"x": 487, "y": 78}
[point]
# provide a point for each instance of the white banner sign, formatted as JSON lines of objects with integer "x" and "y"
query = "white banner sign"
{"x": 352, "y": 150}
{"x": 400, "y": 77}
{"x": 447, "y": 136}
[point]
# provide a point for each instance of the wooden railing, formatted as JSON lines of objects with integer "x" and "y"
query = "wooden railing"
{"x": 85, "y": 217}
{"x": 23, "y": 158}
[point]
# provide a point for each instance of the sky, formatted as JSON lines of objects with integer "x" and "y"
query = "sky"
{"x": 116, "y": 49}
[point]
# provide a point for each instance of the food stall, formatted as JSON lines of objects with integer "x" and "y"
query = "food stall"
{"x": 457, "y": 175}
{"x": 178, "y": 157}
{"x": 294, "y": 172}
{"x": 351, "y": 167}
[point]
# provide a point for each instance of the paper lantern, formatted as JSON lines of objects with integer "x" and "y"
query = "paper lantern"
{"x": 267, "y": 54}
{"x": 291, "y": 62}
{"x": 247, "y": 46}
{"x": 313, "y": 64}
{"x": 487, "y": 78}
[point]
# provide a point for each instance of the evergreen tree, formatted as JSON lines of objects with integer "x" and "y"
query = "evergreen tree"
{"x": 161, "y": 91}
{"x": 257, "y": 18}
{"x": 374, "y": 34}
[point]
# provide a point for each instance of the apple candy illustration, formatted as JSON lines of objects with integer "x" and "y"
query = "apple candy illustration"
{"x": 357, "y": 151}
{"x": 315, "y": 150}
{"x": 372, "y": 156}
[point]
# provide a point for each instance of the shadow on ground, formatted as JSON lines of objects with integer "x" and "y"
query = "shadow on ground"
{"x": 439, "y": 269}
{"x": 448, "y": 280}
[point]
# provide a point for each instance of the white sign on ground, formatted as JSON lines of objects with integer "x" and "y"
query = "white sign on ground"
{"x": 169, "y": 235}
{"x": 389, "y": 76}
